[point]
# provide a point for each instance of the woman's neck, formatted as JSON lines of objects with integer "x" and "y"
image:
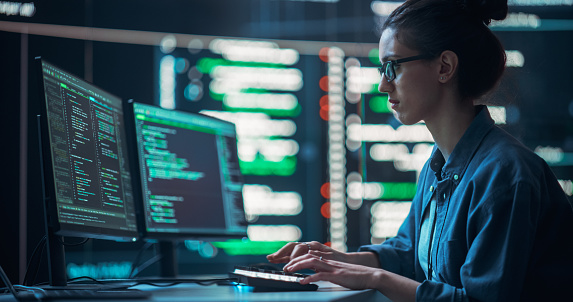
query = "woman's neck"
{"x": 449, "y": 127}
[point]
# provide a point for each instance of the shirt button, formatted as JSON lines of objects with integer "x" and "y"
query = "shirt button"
{"x": 431, "y": 188}
{"x": 444, "y": 195}
{"x": 456, "y": 177}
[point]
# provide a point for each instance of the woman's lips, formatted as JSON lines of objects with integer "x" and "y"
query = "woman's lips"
{"x": 394, "y": 103}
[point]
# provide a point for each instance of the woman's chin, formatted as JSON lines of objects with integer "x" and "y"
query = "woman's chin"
{"x": 404, "y": 119}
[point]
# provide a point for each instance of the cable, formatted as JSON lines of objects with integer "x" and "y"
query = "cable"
{"x": 7, "y": 282}
{"x": 29, "y": 288}
{"x": 83, "y": 277}
{"x": 173, "y": 282}
{"x": 146, "y": 264}
{"x": 160, "y": 282}
{"x": 135, "y": 263}
{"x": 39, "y": 247}
{"x": 72, "y": 244}
{"x": 35, "y": 260}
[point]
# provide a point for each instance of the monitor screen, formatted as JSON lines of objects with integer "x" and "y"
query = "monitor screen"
{"x": 191, "y": 184}
{"x": 86, "y": 172}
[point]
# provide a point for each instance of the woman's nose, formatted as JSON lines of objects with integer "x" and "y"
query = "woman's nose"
{"x": 384, "y": 85}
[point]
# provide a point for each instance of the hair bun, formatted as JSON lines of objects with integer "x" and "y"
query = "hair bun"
{"x": 486, "y": 10}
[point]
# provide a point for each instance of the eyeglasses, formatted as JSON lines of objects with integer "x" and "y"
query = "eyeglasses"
{"x": 388, "y": 70}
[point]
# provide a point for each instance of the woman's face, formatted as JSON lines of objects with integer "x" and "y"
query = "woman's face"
{"x": 413, "y": 94}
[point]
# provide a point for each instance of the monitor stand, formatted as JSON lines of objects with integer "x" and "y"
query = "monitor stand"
{"x": 56, "y": 259}
{"x": 57, "y": 264}
{"x": 168, "y": 261}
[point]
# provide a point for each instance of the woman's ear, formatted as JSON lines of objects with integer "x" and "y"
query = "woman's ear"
{"x": 448, "y": 61}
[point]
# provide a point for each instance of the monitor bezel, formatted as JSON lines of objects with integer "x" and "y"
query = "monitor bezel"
{"x": 138, "y": 195}
{"x": 49, "y": 192}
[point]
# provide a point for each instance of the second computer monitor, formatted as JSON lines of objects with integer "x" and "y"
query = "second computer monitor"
{"x": 191, "y": 184}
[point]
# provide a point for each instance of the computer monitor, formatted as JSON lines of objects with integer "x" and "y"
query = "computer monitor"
{"x": 86, "y": 172}
{"x": 191, "y": 183}
{"x": 190, "y": 180}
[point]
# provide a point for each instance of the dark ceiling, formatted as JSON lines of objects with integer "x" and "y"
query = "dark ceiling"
{"x": 344, "y": 20}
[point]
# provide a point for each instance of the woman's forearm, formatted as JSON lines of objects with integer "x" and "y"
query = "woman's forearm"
{"x": 362, "y": 258}
{"x": 395, "y": 287}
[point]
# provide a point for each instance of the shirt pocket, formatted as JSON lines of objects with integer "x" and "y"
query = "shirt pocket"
{"x": 452, "y": 255}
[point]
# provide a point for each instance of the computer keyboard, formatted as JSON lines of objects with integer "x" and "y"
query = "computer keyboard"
{"x": 81, "y": 294}
{"x": 264, "y": 280}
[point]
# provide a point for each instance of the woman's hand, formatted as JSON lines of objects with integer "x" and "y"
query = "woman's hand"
{"x": 355, "y": 276}
{"x": 293, "y": 250}
{"x": 349, "y": 275}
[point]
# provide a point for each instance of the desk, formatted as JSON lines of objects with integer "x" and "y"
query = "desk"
{"x": 326, "y": 292}
{"x": 216, "y": 293}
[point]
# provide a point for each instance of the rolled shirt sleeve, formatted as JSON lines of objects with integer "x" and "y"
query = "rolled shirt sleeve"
{"x": 396, "y": 255}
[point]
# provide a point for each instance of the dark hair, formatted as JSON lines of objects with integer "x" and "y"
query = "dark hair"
{"x": 433, "y": 26}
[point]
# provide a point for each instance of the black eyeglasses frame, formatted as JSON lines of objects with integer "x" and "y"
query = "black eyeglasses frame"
{"x": 388, "y": 67}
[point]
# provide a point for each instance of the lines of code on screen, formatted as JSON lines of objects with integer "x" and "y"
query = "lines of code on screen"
{"x": 87, "y": 139}
{"x": 189, "y": 170}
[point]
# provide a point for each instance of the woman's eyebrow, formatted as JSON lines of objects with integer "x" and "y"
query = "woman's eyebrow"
{"x": 387, "y": 57}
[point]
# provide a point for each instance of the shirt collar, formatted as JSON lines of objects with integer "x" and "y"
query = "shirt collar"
{"x": 464, "y": 149}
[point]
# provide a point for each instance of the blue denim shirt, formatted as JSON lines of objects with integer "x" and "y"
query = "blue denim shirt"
{"x": 504, "y": 229}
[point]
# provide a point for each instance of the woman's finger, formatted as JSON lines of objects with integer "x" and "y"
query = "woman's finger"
{"x": 284, "y": 251}
{"x": 313, "y": 278}
{"x": 344, "y": 274}
{"x": 300, "y": 249}
{"x": 308, "y": 261}
{"x": 293, "y": 261}
{"x": 324, "y": 255}
{"x": 290, "y": 251}
{"x": 277, "y": 260}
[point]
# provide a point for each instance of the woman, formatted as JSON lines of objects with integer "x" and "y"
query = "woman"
{"x": 489, "y": 221}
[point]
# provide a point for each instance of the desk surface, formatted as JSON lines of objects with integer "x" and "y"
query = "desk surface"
{"x": 215, "y": 293}
{"x": 326, "y": 292}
